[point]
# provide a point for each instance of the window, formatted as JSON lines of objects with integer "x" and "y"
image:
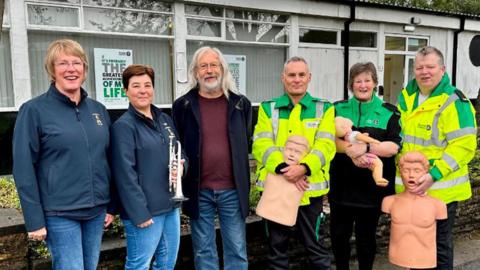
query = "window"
{"x": 398, "y": 43}
{"x": 153, "y": 52}
{"x": 395, "y": 43}
{"x": 6, "y": 87}
{"x": 127, "y": 21}
{"x": 259, "y": 38}
{"x": 204, "y": 28}
{"x": 58, "y": 1}
{"x": 204, "y": 11}
{"x": 317, "y": 36}
{"x": 147, "y": 17}
{"x": 264, "y": 65}
{"x": 416, "y": 43}
{"x": 53, "y": 16}
{"x": 238, "y": 25}
{"x": 151, "y": 5}
{"x": 7, "y": 97}
{"x": 361, "y": 39}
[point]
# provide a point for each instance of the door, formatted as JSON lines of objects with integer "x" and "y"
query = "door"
{"x": 394, "y": 77}
{"x": 399, "y": 63}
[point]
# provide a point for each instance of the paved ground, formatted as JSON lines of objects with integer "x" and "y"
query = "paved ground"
{"x": 467, "y": 255}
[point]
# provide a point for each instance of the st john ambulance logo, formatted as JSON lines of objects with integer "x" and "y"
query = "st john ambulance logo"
{"x": 423, "y": 126}
{"x": 373, "y": 122}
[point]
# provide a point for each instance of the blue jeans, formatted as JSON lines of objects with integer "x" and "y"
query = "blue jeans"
{"x": 161, "y": 239}
{"x": 74, "y": 244}
{"x": 232, "y": 229}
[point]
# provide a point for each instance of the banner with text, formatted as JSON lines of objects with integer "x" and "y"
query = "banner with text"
{"x": 109, "y": 65}
{"x": 238, "y": 67}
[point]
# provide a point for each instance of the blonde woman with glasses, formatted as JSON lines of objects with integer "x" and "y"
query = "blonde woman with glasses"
{"x": 61, "y": 171}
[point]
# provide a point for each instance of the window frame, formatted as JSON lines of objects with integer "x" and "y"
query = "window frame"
{"x": 319, "y": 45}
{"x": 407, "y": 37}
{"x": 360, "y": 47}
{"x": 224, "y": 19}
{"x": 82, "y": 29}
{"x": 53, "y": 27}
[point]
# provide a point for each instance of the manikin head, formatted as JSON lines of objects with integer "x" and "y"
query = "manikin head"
{"x": 342, "y": 126}
{"x": 295, "y": 149}
{"x": 412, "y": 165}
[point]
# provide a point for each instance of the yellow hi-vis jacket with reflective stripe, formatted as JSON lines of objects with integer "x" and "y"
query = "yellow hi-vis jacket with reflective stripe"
{"x": 443, "y": 128}
{"x": 312, "y": 118}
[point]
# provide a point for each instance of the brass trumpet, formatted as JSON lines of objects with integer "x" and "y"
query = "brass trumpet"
{"x": 175, "y": 155}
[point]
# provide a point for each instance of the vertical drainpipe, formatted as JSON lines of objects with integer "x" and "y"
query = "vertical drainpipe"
{"x": 346, "y": 45}
{"x": 455, "y": 49}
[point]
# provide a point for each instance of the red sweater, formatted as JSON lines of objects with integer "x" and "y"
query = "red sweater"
{"x": 216, "y": 159}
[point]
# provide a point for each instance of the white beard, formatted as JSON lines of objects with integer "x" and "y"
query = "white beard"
{"x": 211, "y": 86}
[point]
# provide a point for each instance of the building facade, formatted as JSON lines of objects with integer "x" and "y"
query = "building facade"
{"x": 256, "y": 35}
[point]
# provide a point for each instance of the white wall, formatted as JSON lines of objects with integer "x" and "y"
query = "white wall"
{"x": 326, "y": 66}
{"x": 468, "y": 75}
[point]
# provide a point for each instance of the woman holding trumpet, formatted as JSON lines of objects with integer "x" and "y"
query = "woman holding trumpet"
{"x": 145, "y": 162}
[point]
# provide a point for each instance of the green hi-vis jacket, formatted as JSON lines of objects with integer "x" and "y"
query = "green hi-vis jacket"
{"x": 312, "y": 118}
{"x": 443, "y": 128}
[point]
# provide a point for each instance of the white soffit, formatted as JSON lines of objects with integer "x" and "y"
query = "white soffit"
{"x": 404, "y": 17}
{"x": 472, "y": 25}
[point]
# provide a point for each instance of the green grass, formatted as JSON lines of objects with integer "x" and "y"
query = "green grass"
{"x": 8, "y": 194}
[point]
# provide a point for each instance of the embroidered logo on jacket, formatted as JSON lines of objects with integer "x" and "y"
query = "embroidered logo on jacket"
{"x": 374, "y": 122}
{"x": 423, "y": 126}
{"x": 96, "y": 116}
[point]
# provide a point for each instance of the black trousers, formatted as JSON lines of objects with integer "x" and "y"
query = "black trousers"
{"x": 445, "y": 238}
{"x": 311, "y": 234}
{"x": 343, "y": 219}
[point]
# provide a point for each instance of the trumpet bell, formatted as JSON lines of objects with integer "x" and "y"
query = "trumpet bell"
{"x": 179, "y": 198}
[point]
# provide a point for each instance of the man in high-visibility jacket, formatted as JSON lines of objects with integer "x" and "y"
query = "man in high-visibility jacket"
{"x": 439, "y": 121}
{"x": 297, "y": 113}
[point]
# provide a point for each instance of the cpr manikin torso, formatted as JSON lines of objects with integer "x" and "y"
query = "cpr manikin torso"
{"x": 413, "y": 228}
{"x": 280, "y": 199}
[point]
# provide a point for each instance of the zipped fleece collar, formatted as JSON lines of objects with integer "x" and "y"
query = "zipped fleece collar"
{"x": 367, "y": 107}
{"x": 54, "y": 92}
{"x": 444, "y": 87}
{"x": 152, "y": 123}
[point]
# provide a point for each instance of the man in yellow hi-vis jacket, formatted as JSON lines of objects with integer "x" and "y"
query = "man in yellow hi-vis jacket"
{"x": 297, "y": 113}
{"x": 439, "y": 121}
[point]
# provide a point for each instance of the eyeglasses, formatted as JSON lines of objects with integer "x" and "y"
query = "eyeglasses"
{"x": 64, "y": 65}
{"x": 205, "y": 66}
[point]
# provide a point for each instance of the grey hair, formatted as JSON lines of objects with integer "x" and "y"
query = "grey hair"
{"x": 359, "y": 68}
{"x": 424, "y": 51}
{"x": 294, "y": 59}
{"x": 228, "y": 83}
